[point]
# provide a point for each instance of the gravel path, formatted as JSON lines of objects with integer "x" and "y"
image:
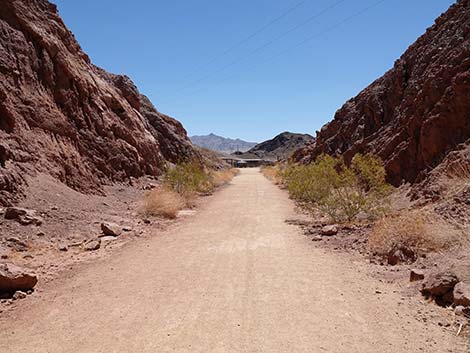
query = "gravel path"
{"x": 234, "y": 277}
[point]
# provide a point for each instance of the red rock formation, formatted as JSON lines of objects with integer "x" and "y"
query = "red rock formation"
{"x": 61, "y": 115}
{"x": 415, "y": 114}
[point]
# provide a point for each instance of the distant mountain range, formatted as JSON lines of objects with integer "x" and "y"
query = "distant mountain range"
{"x": 280, "y": 147}
{"x": 221, "y": 144}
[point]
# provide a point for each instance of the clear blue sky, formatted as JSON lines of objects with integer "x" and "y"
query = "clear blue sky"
{"x": 176, "y": 53}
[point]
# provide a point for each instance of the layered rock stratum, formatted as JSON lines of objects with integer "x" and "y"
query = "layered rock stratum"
{"x": 61, "y": 115}
{"x": 417, "y": 113}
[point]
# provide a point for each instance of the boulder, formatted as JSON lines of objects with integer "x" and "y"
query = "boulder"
{"x": 329, "y": 230}
{"x": 111, "y": 229}
{"x": 440, "y": 286}
{"x": 462, "y": 294}
{"x": 416, "y": 275}
{"x": 14, "y": 278}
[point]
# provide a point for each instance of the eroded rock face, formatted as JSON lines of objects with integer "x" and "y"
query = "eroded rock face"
{"x": 415, "y": 114}
{"x": 61, "y": 115}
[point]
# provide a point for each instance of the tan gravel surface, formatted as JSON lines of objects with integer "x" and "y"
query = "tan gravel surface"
{"x": 234, "y": 277}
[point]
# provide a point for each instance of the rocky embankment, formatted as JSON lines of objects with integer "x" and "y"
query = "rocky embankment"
{"x": 63, "y": 116}
{"x": 78, "y": 148}
{"x": 417, "y": 113}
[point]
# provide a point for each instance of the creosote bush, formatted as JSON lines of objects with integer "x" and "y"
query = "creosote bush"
{"x": 340, "y": 191}
{"x": 188, "y": 179}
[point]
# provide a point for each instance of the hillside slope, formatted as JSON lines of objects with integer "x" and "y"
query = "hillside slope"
{"x": 222, "y": 144}
{"x": 415, "y": 114}
{"x": 281, "y": 146}
{"x": 61, "y": 115}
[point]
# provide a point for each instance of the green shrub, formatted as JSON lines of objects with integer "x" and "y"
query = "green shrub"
{"x": 187, "y": 179}
{"x": 340, "y": 191}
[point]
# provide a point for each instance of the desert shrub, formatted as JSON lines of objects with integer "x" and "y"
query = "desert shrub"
{"x": 420, "y": 230}
{"x": 340, "y": 191}
{"x": 162, "y": 202}
{"x": 181, "y": 184}
{"x": 188, "y": 179}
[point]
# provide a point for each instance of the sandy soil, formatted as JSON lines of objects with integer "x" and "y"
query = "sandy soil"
{"x": 234, "y": 277}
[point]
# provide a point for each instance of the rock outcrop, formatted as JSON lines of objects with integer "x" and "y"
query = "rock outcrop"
{"x": 61, "y": 115}
{"x": 417, "y": 113}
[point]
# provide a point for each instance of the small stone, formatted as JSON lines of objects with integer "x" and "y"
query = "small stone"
{"x": 107, "y": 238}
{"x": 93, "y": 244}
{"x": 329, "y": 230}
{"x": 317, "y": 238}
{"x": 63, "y": 247}
{"x": 401, "y": 254}
{"x": 462, "y": 311}
{"x": 416, "y": 275}
{"x": 19, "y": 295}
{"x": 127, "y": 229}
{"x": 40, "y": 234}
{"x": 54, "y": 208}
{"x": 111, "y": 229}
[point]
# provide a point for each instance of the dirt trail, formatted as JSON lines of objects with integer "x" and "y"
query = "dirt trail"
{"x": 232, "y": 278}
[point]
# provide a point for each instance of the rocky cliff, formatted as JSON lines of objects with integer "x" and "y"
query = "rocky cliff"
{"x": 417, "y": 113}
{"x": 61, "y": 115}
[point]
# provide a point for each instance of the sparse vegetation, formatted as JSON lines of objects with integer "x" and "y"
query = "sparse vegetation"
{"x": 419, "y": 230}
{"x": 181, "y": 185}
{"x": 342, "y": 192}
{"x": 163, "y": 202}
{"x": 188, "y": 179}
{"x": 221, "y": 177}
{"x": 273, "y": 173}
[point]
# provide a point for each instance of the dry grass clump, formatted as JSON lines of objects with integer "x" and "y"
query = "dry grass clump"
{"x": 181, "y": 186}
{"x": 221, "y": 177}
{"x": 273, "y": 173}
{"x": 421, "y": 231}
{"x": 163, "y": 202}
